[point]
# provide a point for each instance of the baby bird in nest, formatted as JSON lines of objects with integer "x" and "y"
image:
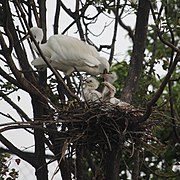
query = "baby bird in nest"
{"x": 109, "y": 91}
{"x": 110, "y": 77}
{"x": 89, "y": 91}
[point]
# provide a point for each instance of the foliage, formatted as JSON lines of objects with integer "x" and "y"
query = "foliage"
{"x": 5, "y": 171}
{"x": 121, "y": 69}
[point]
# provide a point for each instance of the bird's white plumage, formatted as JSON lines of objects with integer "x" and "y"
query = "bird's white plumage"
{"x": 68, "y": 53}
{"x": 109, "y": 88}
{"x": 89, "y": 91}
{"x": 110, "y": 77}
{"x": 109, "y": 93}
{"x": 109, "y": 96}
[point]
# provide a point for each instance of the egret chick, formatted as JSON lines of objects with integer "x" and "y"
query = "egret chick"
{"x": 110, "y": 78}
{"x": 68, "y": 54}
{"x": 89, "y": 91}
{"x": 111, "y": 94}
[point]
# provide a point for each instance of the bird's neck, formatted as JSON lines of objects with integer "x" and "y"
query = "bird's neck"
{"x": 43, "y": 47}
{"x": 34, "y": 47}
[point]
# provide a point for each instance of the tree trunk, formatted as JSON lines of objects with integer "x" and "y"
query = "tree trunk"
{"x": 81, "y": 171}
{"x": 136, "y": 162}
{"x": 41, "y": 167}
{"x": 137, "y": 58}
{"x": 112, "y": 165}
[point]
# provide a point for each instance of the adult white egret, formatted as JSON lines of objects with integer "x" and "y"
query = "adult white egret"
{"x": 68, "y": 54}
{"x": 89, "y": 91}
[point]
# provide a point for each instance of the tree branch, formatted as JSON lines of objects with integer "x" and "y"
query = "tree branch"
{"x": 127, "y": 28}
{"x": 33, "y": 4}
{"x": 78, "y": 23}
{"x": 56, "y": 17}
{"x": 10, "y": 79}
{"x": 171, "y": 69}
{"x": 17, "y": 108}
{"x": 12, "y": 35}
{"x": 15, "y": 150}
{"x": 24, "y": 83}
{"x": 172, "y": 46}
{"x": 116, "y": 12}
{"x": 158, "y": 93}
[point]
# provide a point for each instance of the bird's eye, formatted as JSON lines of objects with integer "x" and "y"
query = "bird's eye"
{"x": 90, "y": 81}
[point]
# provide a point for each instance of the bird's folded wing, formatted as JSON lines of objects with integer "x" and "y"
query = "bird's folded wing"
{"x": 71, "y": 51}
{"x": 89, "y": 61}
{"x": 39, "y": 62}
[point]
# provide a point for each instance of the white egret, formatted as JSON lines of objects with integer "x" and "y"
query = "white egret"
{"x": 68, "y": 54}
{"x": 110, "y": 96}
{"x": 108, "y": 77}
{"x": 89, "y": 91}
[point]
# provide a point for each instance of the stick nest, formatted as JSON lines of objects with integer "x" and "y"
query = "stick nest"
{"x": 100, "y": 122}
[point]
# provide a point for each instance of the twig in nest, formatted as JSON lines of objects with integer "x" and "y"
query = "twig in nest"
{"x": 109, "y": 144}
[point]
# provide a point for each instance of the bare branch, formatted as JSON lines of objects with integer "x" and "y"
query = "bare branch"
{"x": 158, "y": 93}
{"x": 115, "y": 31}
{"x": 127, "y": 28}
{"x": 21, "y": 113}
{"x": 56, "y": 17}
{"x": 29, "y": 158}
{"x": 78, "y": 23}
{"x": 9, "y": 78}
{"x": 161, "y": 33}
